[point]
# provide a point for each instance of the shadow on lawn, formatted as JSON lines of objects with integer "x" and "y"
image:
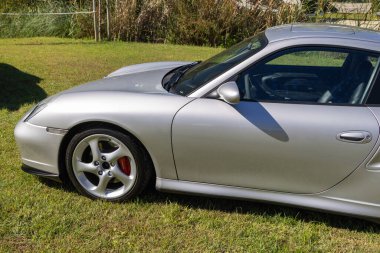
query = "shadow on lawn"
{"x": 247, "y": 207}
{"x": 18, "y": 88}
{"x": 264, "y": 210}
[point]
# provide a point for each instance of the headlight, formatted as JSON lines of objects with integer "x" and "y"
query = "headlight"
{"x": 36, "y": 110}
{"x": 40, "y": 106}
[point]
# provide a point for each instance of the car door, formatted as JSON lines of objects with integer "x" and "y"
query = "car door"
{"x": 282, "y": 136}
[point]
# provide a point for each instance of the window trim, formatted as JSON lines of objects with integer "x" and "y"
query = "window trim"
{"x": 375, "y": 79}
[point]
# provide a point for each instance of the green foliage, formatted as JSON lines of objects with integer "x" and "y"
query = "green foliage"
{"x": 310, "y": 6}
{"x": 375, "y": 5}
{"x": 198, "y": 22}
{"x": 352, "y": 1}
{"x": 39, "y": 25}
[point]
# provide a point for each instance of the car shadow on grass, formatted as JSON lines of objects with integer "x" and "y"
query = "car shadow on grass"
{"x": 293, "y": 215}
{"x": 265, "y": 210}
{"x": 18, "y": 88}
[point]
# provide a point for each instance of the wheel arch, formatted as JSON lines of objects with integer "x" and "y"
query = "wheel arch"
{"x": 88, "y": 125}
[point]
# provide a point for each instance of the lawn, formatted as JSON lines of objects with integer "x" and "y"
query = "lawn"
{"x": 36, "y": 215}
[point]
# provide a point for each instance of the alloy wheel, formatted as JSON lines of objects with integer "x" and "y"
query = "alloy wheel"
{"x": 104, "y": 166}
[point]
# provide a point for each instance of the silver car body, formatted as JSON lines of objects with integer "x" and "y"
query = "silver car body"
{"x": 288, "y": 154}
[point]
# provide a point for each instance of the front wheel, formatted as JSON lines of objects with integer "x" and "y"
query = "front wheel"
{"x": 107, "y": 164}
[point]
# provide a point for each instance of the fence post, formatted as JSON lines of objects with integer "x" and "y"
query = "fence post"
{"x": 99, "y": 19}
{"x": 108, "y": 20}
{"x": 95, "y": 23}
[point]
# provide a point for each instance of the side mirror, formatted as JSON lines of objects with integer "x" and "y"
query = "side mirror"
{"x": 229, "y": 92}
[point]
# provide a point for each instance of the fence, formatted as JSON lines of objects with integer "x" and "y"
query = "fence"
{"x": 199, "y": 22}
{"x": 96, "y": 12}
{"x": 361, "y": 14}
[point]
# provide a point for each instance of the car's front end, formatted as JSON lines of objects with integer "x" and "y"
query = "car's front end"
{"x": 39, "y": 134}
{"x": 39, "y": 145}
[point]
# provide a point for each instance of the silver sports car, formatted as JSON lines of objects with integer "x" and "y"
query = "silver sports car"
{"x": 288, "y": 116}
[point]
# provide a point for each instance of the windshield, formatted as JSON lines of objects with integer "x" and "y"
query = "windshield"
{"x": 204, "y": 72}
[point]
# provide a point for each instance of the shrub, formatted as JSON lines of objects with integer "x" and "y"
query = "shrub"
{"x": 40, "y": 25}
{"x": 198, "y": 22}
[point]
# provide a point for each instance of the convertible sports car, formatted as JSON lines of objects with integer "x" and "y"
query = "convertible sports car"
{"x": 288, "y": 116}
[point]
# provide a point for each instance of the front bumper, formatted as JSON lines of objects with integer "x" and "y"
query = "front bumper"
{"x": 40, "y": 173}
{"x": 39, "y": 149}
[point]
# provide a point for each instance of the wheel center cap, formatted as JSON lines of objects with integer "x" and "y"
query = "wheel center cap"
{"x": 105, "y": 165}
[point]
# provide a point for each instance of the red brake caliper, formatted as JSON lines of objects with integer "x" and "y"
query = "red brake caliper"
{"x": 125, "y": 165}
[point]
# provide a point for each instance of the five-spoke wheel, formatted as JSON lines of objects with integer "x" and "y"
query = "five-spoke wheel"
{"x": 106, "y": 164}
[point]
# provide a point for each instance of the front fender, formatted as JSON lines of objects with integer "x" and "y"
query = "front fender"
{"x": 147, "y": 116}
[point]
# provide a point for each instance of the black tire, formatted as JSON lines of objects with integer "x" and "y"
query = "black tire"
{"x": 144, "y": 165}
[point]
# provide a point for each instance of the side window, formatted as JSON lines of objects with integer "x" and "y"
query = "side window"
{"x": 310, "y": 75}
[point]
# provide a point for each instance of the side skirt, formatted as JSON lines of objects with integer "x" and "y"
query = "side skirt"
{"x": 317, "y": 202}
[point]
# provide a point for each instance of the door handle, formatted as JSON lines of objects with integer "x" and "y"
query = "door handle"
{"x": 355, "y": 136}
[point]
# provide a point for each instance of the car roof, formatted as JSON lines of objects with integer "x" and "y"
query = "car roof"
{"x": 318, "y": 30}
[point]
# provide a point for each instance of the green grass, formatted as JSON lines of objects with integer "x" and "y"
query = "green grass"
{"x": 308, "y": 59}
{"x": 40, "y": 216}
